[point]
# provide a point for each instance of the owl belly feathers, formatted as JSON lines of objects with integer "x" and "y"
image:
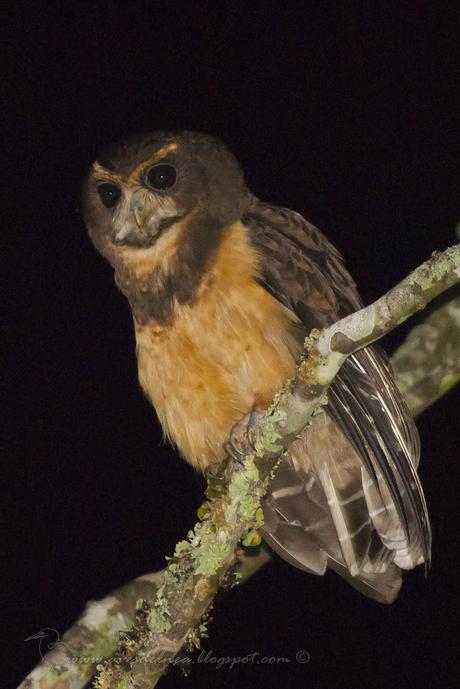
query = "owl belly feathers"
{"x": 229, "y": 351}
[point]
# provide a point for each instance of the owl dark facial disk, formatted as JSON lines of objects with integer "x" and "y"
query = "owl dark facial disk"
{"x": 161, "y": 177}
{"x": 109, "y": 194}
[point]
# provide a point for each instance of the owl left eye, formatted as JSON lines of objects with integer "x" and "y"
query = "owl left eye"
{"x": 109, "y": 194}
{"x": 161, "y": 177}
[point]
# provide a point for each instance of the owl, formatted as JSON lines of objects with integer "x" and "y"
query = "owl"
{"x": 223, "y": 290}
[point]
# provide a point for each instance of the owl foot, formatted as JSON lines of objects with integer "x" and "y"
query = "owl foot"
{"x": 244, "y": 435}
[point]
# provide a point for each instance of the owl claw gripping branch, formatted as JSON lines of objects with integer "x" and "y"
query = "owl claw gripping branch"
{"x": 223, "y": 289}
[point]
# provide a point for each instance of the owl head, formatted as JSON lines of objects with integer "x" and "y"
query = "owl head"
{"x": 142, "y": 187}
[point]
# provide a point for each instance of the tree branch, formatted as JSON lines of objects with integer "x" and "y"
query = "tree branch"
{"x": 206, "y": 560}
{"x": 427, "y": 364}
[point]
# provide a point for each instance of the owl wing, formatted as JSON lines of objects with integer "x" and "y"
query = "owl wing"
{"x": 349, "y": 498}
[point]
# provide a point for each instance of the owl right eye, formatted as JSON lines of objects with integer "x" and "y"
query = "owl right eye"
{"x": 109, "y": 194}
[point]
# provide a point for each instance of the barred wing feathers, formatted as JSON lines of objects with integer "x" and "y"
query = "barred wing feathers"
{"x": 349, "y": 498}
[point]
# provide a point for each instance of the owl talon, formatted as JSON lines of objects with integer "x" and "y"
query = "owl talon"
{"x": 253, "y": 426}
{"x": 244, "y": 435}
{"x": 234, "y": 453}
{"x": 239, "y": 442}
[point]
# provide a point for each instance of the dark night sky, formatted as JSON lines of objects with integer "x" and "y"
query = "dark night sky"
{"x": 346, "y": 115}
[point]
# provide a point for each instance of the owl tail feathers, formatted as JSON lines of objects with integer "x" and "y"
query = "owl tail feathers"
{"x": 382, "y": 587}
{"x": 316, "y": 548}
{"x": 322, "y": 511}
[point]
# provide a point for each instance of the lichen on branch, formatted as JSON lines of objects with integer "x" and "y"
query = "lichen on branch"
{"x": 175, "y": 617}
{"x": 203, "y": 560}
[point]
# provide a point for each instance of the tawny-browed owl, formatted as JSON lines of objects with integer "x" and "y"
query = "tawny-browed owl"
{"x": 223, "y": 289}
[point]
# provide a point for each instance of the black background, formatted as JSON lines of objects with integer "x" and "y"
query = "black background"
{"x": 343, "y": 113}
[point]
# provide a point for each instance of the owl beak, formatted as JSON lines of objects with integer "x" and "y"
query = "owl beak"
{"x": 133, "y": 231}
{"x": 139, "y": 215}
{"x": 140, "y": 225}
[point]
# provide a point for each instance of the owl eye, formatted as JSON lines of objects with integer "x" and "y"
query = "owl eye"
{"x": 161, "y": 177}
{"x": 109, "y": 194}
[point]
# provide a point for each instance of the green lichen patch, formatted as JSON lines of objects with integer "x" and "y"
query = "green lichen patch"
{"x": 159, "y": 623}
{"x": 103, "y": 645}
{"x": 312, "y": 339}
{"x": 210, "y": 558}
{"x": 248, "y": 507}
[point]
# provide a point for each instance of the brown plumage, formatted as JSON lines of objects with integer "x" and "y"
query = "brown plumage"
{"x": 223, "y": 289}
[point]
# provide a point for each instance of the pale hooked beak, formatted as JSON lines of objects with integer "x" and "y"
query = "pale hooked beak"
{"x": 132, "y": 226}
{"x": 138, "y": 212}
{"x": 139, "y": 224}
